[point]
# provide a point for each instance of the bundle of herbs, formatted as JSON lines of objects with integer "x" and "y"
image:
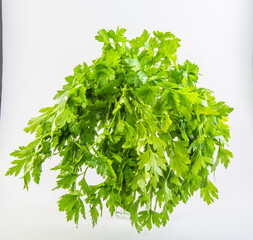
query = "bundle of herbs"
{"x": 137, "y": 117}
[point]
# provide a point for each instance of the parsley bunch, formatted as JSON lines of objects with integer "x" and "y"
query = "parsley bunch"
{"x": 137, "y": 117}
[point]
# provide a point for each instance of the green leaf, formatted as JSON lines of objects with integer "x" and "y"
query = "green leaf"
{"x": 156, "y": 218}
{"x": 66, "y": 180}
{"x": 120, "y": 127}
{"x": 102, "y": 36}
{"x": 152, "y": 163}
{"x": 19, "y": 164}
{"x": 223, "y": 109}
{"x": 94, "y": 215}
{"x": 166, "y": 123}
{"x": 33, "y": 124}
{"x": 179, "y": 158}
{"x": 112, "y": 58}
{"x": 24, "y": 155}
{"x": 117, "y": 157}
{"x": 104, "y": 166}
{"x": 142, "y": 76}
{"x": 134, "y": 63}
{"x": 198, "y": 162}
{"x": 209, "y": 192}
{"x": 118, "y": 36}
{"x": 72, "y": 205}
{"x": 63, "y": 117}
{"x": 148, "y": 94}
{"x": 205, "y": 110}
{"x": 140, "y": 41}
{"x": 224, "y": 155}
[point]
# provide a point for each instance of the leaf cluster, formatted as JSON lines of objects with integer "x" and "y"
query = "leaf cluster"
{"x": 136, "y": 116}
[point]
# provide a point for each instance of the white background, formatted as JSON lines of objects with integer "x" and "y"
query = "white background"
{"x": 44, "y": 40}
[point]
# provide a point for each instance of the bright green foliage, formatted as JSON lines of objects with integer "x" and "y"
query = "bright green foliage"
{"x": 137, "y": 117}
